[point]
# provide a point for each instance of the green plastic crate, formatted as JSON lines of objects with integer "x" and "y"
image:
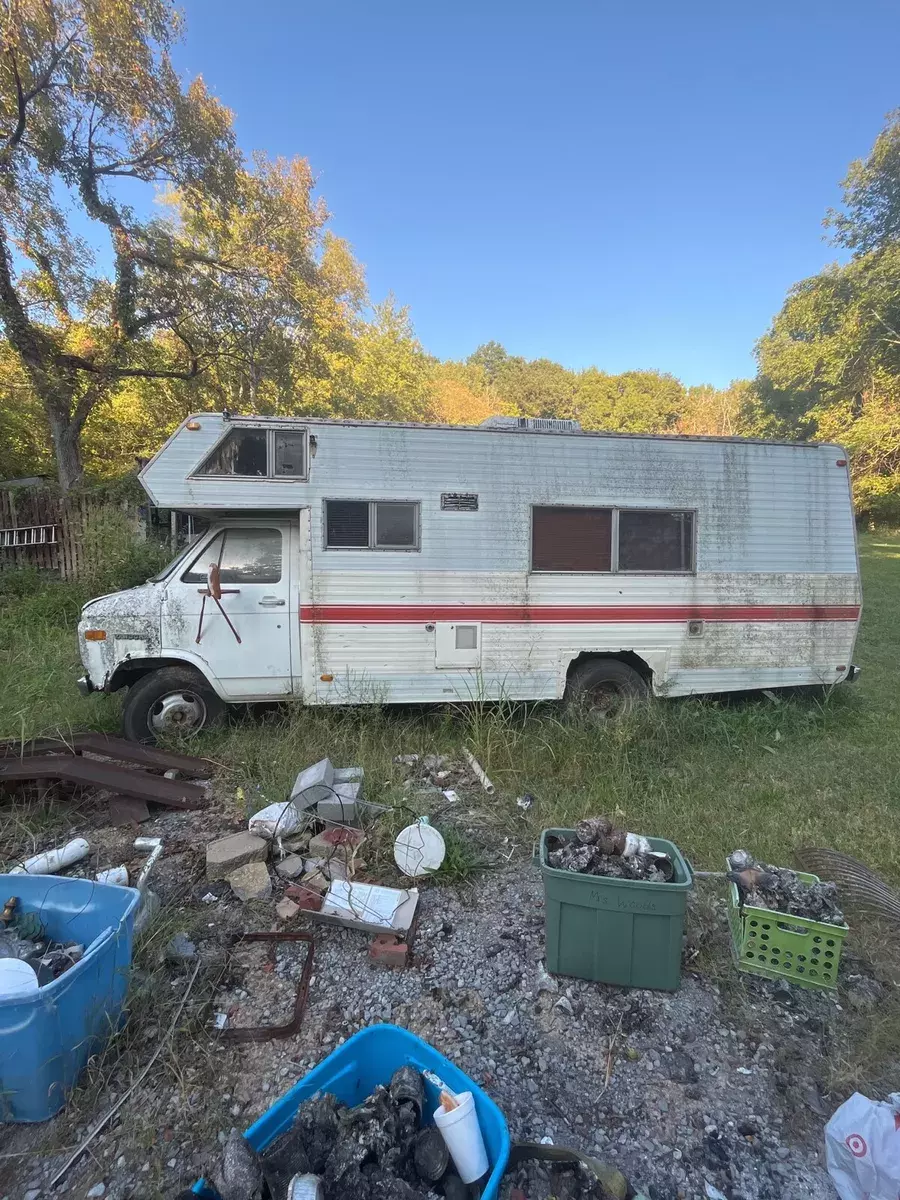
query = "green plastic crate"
{"x": 620, "y": 931}
{"x": 782, "y": 946}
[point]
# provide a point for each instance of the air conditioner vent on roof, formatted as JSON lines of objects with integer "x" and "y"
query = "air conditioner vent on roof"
{"x": 539, "y": 424}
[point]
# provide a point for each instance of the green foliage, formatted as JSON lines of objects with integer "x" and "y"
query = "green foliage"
{"x": 870, "y": 219}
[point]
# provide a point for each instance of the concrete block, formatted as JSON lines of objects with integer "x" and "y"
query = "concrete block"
{"x": 341, "y": 806}
{"x": 315, "y": 881}
{"x": 286, "y": 909}
{"x": 313, "y": 784}
{"x": 251, "y": 882}
{"x": 339, "y": 842}
{"x": 348, "y": 775}
{"x": 291, "y": 867}
{"x": 229, "y": 853}
{"x": 389, "y": 951}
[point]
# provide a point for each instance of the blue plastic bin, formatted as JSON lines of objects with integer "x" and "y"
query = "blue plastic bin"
{"x": 354, "y": 1070}
{"x": 46, "y": 1039}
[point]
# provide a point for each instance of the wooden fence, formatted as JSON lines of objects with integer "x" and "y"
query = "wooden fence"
{"x": 41, "y": 529}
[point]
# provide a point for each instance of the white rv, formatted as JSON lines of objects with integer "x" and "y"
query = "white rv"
{"x": 356, "y": 561}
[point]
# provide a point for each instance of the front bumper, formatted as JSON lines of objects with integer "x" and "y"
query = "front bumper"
{"x": 84, "y": 685}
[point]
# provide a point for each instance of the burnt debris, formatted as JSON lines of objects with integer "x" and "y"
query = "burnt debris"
{"x": 599, "y": 848}
{"x": 781, "y": 890}
{"x": 377, "y": 1150}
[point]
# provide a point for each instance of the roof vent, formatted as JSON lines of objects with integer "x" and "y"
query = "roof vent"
{"x": 539, "y": 424}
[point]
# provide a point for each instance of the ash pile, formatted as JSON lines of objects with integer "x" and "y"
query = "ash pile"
{"x": 598, "y": 848}
{"x": 430, "y": 774}
{"x": 781, "y": 890}
{"x": 537, "y": 1180}
{"x": 378, "y": 1150}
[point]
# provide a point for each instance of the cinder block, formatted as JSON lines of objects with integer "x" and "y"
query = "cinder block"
{"x": 291, "y": 867}
{"x": 251, "y": 882}
{"x": 389, "y": 951}
{"x": 229, "y": 853}
{"x": 340, "y": 807}
{"x": 348, "y": 775}
{"x": 313, "y": 784}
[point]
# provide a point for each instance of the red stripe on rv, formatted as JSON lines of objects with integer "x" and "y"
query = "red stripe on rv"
{"x": 409, "y": 614}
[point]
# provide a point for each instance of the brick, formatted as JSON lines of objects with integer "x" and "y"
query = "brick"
{"x": 341, "y": 806}
{"x": 291, "y": 867}
{"x": 286, "y": 909}
{"x": 336, "y": 842}
{"x": 348, "y": 775}
{"x": 229, "y": 853}
{"x": 389, "y": 951}
{"x": 313, "y": 784}
{"x": 306, "y": 899}
{"x": 315, "y": 881}
{"x": 251, "y": 882}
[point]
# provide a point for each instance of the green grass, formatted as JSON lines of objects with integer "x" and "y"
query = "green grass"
{"x": 820, "y": 769}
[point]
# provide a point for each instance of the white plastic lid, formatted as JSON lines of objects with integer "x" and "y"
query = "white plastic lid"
{"x": 419, "y": 849}
{"x": 17, "y": 978}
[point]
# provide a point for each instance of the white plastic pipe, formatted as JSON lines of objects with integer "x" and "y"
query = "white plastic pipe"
{"x": 116, "y": 875}
{"x": 52, "y": 861}
{"x": 479, "y": 771}
{"x": 154, "y": 848}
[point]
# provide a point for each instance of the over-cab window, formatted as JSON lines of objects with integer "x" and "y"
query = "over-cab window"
{"x": 371, "y": 525}
{"x": 571, "y": 539}
{"x": 258, "y": 454}
{"x": 608, "y": 539}
{"x": 247, "y": 556}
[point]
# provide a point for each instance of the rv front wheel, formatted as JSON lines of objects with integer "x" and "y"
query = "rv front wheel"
{"x": 173, "y": 700}
{"x": 606, "y": 688}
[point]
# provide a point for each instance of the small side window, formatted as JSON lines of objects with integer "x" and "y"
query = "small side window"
{"x": 249, "y": 556}
{"x": 290, "y": 454}
{"x": 656, "y": 541}
{"x": 371, "y": 525}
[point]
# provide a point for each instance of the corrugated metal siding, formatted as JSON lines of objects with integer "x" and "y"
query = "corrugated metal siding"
{"x": 760, "y": 507}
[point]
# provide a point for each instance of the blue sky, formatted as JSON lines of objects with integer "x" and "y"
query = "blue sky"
{"x": 619, "y": 184}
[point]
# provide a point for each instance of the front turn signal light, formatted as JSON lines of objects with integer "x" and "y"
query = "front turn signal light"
{"x": 95, "y": 635}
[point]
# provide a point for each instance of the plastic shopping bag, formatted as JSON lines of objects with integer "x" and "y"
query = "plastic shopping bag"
{"x": 862, "y": 1148}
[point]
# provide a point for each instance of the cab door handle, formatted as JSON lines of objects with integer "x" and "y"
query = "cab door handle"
{"x": 271, "y": 602}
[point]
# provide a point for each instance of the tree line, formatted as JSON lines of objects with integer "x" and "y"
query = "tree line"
{"x": 148, "y": 269}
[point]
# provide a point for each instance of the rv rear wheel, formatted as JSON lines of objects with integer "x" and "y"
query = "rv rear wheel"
{"x": 172, "y": 700}
{"x": 606, "y": 688}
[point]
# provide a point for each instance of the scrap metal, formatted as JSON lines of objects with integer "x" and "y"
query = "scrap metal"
{"x": 266, "y": 1033}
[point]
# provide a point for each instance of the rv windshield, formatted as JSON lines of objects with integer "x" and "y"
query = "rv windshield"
{"x": 179, "y": 557}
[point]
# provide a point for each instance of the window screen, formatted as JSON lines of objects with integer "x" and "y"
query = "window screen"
{"x": 250, "y": 556}
{"x": 571, "y": 539}
{"x": 395, "y": 525}
{"x": 347, "y": 523}
{"x": 656, "y": 541}
{"x": 290, "y": 450}
{"x": 243, "y": 452}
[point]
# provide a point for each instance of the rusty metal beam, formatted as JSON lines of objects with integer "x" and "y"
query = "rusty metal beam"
{"x": 110, "y": 747}
{"x": 125, "y": 781}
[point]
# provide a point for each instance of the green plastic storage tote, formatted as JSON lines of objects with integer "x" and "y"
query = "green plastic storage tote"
{"x": 782, "y": 946}
{"x": 621, "y": 931}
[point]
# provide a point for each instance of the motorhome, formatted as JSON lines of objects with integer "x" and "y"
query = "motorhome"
{"x": 349, "y": 562}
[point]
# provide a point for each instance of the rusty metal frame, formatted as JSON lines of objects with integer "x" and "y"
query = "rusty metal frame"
{"x": 111, "y": 747}
{"x": 126, "y": 781}
{"x": 266, "y": 1033}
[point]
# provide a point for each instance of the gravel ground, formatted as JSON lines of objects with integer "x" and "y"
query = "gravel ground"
{"x": 678, "y": 1091}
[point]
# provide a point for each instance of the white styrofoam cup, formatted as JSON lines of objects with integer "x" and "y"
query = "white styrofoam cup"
{"x": 460, "y": 1130}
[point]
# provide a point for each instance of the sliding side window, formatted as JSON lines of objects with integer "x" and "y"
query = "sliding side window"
{"x": 571, "y": 539}
{"x": 371, "y": 525}
{"x": 661, "y": 542}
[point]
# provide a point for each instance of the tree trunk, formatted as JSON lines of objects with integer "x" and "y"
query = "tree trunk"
{"x": 67, "y": 443}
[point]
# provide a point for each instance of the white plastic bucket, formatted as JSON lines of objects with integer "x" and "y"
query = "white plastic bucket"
{"x": 462, "y": 1133}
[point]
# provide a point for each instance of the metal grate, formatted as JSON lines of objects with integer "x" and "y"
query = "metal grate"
{"x": 459, "y": 502}
{"x": 27, "y": 535}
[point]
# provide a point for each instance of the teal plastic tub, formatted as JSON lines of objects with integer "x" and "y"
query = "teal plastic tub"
{"x": 46, "y": 1039}
{"x": 620, "y": 931}
{"x": 354, "y": 1070}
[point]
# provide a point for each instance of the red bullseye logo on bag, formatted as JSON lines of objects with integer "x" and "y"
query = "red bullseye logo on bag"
{"x": 856, "y": 1144}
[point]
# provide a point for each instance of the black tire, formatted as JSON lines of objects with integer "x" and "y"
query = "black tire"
{"x": 605, "y": 689}
{"x": 170, "y": 700}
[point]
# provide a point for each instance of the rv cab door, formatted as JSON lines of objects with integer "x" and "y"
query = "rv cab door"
{"x": 243, "y": 634}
